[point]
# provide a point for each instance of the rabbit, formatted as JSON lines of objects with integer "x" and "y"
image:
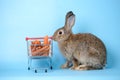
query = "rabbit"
{"x": 84, "y": 51}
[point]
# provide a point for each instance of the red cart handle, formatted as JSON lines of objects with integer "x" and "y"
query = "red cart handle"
{"x": 33, "y": 38}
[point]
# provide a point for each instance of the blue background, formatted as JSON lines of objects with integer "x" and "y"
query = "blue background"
{"x": 34, "y": 18}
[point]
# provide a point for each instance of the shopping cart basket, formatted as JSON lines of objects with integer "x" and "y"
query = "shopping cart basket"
{"x": 38, "y": 49}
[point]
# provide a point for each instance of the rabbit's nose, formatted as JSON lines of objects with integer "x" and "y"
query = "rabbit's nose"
{"x": 53, "y": 38}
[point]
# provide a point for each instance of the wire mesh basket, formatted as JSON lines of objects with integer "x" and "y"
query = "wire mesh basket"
{"x": 39, "y": 48}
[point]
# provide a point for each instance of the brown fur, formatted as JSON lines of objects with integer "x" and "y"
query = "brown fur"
{"x": 85, "y": 51}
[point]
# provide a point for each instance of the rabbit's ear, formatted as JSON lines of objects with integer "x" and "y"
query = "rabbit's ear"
{"x": 70, "y": 20}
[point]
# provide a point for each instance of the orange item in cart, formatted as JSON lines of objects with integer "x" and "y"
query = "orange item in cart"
{"x": 46, "y": 40}
{"x": 37, "y": 42}
{"x": 41, "y": 51}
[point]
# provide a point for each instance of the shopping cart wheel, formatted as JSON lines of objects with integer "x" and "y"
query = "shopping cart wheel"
{"x": 46, "y": 70}
{"x": 28, "y": 68}
{"x": 51, "y": 67}
{"x": 35, "y": 71}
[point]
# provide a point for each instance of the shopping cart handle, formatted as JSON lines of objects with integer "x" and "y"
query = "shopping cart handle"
{"x": 33, "y": 38}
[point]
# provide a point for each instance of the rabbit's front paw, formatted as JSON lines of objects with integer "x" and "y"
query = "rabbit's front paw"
{"x": 64, "y": 66}
{"x": 73, "y": 68}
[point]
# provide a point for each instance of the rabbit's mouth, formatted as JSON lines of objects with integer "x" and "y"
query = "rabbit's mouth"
{"x": 54, "y": 38}
{"x": 58, "y": 39}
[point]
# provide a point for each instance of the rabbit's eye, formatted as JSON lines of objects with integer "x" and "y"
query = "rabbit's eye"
{"x": 60, "y": 32}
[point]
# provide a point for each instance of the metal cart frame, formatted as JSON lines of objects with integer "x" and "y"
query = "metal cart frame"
{"x": 30, "y": 57}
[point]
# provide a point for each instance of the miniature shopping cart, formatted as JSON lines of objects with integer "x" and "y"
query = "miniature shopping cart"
{"x": 39, "y": 48}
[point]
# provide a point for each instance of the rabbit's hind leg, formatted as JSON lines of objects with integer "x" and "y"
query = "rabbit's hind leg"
{"x": 84, "y": 67}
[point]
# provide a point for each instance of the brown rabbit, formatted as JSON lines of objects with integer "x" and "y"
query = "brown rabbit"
{"x": 84, "y": 50}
